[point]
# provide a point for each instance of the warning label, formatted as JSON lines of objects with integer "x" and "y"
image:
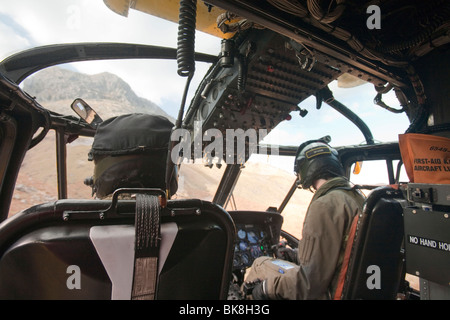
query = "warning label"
{"x": 426, "y": 157}
{"x": 429, "y": 243}
{"x": 421, "y": 164}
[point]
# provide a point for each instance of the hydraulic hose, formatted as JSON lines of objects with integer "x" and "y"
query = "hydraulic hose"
{"x": 186, "y": 68}
{"x": 186, "y": 38}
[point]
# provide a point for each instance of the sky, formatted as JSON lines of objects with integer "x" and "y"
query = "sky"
{"x": 29, "y": 23}
{"x": 26, "y": 23}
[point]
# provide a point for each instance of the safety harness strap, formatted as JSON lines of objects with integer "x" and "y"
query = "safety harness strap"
{"x": 147, "y": 242}
{"x": 346, "y": 261}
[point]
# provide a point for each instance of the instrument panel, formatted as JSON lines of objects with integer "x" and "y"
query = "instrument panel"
{"x": 252, "y": 242}
{"x": 256, "y": 233}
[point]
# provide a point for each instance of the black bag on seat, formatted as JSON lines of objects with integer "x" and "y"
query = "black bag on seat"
{"x": 130, "y": 151}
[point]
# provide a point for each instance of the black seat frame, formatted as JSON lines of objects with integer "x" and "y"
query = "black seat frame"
{"x": 38, "y": 244}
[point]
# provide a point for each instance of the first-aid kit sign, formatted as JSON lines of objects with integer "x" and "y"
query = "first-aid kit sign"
{"x": 426, "y": 157}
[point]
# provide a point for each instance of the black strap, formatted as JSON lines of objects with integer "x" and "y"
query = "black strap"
{"x": 147, "y": 242}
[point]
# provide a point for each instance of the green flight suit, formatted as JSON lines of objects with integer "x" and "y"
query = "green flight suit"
{"x": 321, "y": 248}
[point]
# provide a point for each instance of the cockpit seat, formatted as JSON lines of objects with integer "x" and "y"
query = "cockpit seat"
{"x": 79, "y": 249}
{"x": 373, "y": 266}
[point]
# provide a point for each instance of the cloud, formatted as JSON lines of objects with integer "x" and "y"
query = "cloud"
{"x": 29, "y": 23}
{"x": 284, "y": 137}
{"x": 11, "y": 42}
{"x": 14, "y": 37}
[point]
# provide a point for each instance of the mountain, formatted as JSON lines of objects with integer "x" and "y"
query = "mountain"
{"x": 55, "y": 88}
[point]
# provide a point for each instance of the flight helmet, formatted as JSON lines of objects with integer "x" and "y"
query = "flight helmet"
{"x": 314, "y": 160}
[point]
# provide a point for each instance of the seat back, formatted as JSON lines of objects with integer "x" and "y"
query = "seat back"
{"x": 71, "y": 249}
{"x": 376, "y": 260}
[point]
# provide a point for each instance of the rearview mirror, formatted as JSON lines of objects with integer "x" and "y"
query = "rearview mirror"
{"x": 86, "y": 113}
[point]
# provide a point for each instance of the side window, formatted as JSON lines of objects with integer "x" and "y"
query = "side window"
{"x": 37, "y": 180}
{"x": 79, "y": 168}
{"x": 378, "y": 172}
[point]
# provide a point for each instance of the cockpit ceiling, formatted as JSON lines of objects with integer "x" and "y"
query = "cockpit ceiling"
{"x": 374, "y": 39}
{"x": 401, "y": 27}
{"x": 382, "y": 36}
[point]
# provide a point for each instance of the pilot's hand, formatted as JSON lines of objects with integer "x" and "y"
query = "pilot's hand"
{"x": 259, "y": 293}
{"x": 285, "y": 253}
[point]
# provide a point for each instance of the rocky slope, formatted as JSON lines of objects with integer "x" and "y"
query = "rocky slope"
{"x": 55, "y": 88}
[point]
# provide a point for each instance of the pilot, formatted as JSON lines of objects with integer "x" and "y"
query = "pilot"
{"x": 130, "y": 151}
{"x": 312, "y": 271}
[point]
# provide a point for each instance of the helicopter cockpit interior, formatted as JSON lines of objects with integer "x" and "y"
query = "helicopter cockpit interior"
{"x": 278, "y": 65}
